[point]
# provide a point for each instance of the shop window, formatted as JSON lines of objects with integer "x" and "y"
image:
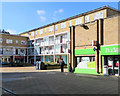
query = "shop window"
{"x": 110, "y": 61}
{"x": 116, "y": 64}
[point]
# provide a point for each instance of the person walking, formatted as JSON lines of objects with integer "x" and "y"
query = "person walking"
{"x": 62, "y": 64}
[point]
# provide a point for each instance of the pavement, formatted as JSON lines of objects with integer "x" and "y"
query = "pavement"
{"x": 37, "y": 82}
{"x": 25, "y": 69}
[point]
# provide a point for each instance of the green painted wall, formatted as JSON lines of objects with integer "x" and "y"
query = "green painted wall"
{"x": 102, "y": 64}
{"x": 85, "y": 71}
{"x": 110, "y": 50}
{"x": 84, "y": 51}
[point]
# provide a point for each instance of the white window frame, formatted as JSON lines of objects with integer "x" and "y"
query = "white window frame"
{"x": 16, "y": 41}
{"x": 50, "y": 28}
{"x": 70, "y": 23}
{"x": 87, "y": 19}
{"x": 63, "y": 25}
{"x": 78, "y": 21}
{"x": 41, "y": 31}
{"x": 32, "y": 34}
{"x": 98, "y": 15}
{"x": 9, "y": 41}
{"x": 45, "y": 30}
{"x": 36, "y": 32}
{"x": 56, "y": 27}
{"x": 101, "y": 14}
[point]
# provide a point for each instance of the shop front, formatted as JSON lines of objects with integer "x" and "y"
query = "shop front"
{"x": 19, "y": 59}
{"x": 85, "y": 61}
{"x": 111, "y": 59}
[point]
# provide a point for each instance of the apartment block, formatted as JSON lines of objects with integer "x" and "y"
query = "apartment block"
{"x": 87, "y": 42}
{"x": 13, "y": 48}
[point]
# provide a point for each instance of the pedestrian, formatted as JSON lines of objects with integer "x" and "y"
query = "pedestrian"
{"x": 62, "y": 64}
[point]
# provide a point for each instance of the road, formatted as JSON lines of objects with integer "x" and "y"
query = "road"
{"x": 54, "y": 82}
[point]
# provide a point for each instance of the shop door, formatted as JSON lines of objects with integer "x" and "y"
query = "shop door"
{"x": 110, "y": 62}
{"x": 113, "y": 65}
{"x": 116, "y": 65}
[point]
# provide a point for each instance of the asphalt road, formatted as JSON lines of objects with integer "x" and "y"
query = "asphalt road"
{"x": 59, "y": 83}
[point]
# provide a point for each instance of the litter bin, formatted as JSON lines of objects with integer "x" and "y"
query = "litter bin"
{"x": 105, "y": 70}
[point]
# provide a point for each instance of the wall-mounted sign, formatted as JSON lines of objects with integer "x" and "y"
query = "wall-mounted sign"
{"x": 110, "y": 50}
{"x": 94, "y": 43}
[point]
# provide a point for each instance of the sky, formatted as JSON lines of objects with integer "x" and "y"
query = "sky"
{"x": 18, "y": 17}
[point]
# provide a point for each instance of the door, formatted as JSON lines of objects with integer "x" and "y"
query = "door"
{"x": 116, "y": 65}
{"x": 110, "y": 62}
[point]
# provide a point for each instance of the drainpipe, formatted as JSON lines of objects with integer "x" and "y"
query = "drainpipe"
{"x": 34, "y": 49}
{"x": 72, "y": 47}
{"x": 100, "y": 43}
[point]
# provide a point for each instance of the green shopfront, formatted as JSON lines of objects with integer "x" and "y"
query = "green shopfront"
{"x": 85, "y": 61}
{"x": 110, "y": 59}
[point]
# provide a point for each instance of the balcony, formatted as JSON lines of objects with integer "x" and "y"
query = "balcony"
{"x": 61, "y": 39}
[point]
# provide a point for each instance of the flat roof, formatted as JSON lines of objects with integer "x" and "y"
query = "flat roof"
{"x": 13, "y": 35}
{"x": 82, "y": 14}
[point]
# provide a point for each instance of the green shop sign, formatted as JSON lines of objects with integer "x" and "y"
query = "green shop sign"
{"x": 84, "y": 51}
{"x": 110, "y": 50}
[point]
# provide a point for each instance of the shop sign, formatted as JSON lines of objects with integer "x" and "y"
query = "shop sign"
{"x": 110, "y": 50}
{"x": 19, "y": 56}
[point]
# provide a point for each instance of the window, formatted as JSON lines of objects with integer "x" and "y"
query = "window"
{"x": 87, "y": 18}
{"x": 63, "y": 25}
{"x": 98, "y": 15}
{"x": 101, "y": 15}
{"x": 41, "y": 31}
{"x": 0, "y": 40}
{"x": 23, "y": 42}
{"x": 50, "y": 28}
{"x": 25, "y": 34}
{"x": 16, "y": 51}
{"x": 16, "y": 41}
{"x": 78, "y": 21}
{"x": 56, "y": 27}
{"x": 36, "y": 32}
{"x": 32, "y": 34}
{"x": 70, "y": 23}
{"x": 45, "y": 30}
{"x": 9, "y": 41}
{"x": 22, "y": 50}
